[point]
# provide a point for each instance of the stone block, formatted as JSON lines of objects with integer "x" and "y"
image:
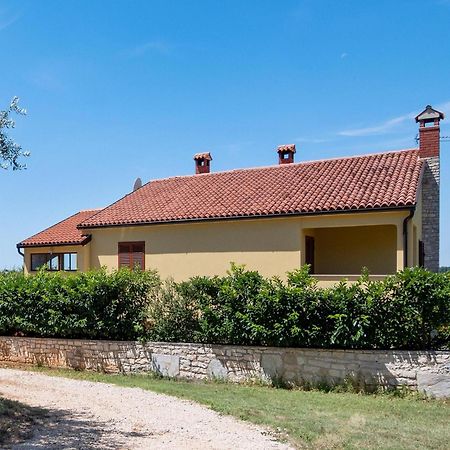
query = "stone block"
{"x": 434, "y": 384}
{"x": 336, "y": 373}
{"x": 217, "y": 370}
{"x": 166, "y": 365}
{"x": 272, "y": 365}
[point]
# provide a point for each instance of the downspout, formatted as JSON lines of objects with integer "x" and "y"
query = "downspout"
{"x": 20, "y": 253}
{"x": 405, "y": 236}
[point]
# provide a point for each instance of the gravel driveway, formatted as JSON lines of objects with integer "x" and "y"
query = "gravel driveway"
{"x": 86, "y": 415}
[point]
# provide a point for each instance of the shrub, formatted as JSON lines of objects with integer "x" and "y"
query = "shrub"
{"x": 171, "y": 315}
{"x": 409, "y": 310}
{"x": 93, "y": 305}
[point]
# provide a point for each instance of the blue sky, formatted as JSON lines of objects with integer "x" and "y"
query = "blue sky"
{"x": 120, "y": 89}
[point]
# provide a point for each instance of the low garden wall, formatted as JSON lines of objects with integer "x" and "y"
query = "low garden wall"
{"x": 426, "y": 371}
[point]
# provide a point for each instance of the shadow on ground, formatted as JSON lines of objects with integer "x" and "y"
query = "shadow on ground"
{"x": 53, "y": 429}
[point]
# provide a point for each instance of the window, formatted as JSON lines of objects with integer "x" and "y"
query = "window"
{"x": 38, "y": 260}
{"x": 132, "y": 255}
{"x": 54, "y": 261}
{"x": 70, "y": 261}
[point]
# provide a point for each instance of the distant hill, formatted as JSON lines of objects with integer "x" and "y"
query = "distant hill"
{"x": 444, "y": 269}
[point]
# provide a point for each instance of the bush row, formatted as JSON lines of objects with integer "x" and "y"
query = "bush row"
{"x": 409, "y": 310}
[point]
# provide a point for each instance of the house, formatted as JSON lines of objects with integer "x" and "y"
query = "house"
{"x": 379, "y": 211}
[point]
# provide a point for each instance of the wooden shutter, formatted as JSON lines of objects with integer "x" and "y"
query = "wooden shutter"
{"x": 138, "y": 255}
{"x": 309, "y": 253}
{"x": 132, "y": 255}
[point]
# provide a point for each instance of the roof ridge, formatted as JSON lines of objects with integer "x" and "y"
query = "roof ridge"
{"x": 153, "y": 204}
{"x": 274, "y": 166}
{"x": 88, "y": 210}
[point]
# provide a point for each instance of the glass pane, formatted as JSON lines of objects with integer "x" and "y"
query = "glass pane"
{"x": 38, "y": 260}
{"x": 53, "y": 264}
{"x": 73, "y": 261}
{"x": 70, "y": 261}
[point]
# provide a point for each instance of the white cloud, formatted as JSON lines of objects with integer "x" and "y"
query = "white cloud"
{"x": 389, "y": 125}
{"x": 344, "y": 55}
{"x": 6, "y": 22}
{"x": 381, "y": 128}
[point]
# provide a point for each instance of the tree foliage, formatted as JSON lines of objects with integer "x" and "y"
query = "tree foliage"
{"x": 10, "y": 151}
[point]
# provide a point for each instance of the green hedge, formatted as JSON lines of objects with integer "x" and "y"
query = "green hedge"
{"x": 93, "y": 305}
{"x": 410, "y": 310}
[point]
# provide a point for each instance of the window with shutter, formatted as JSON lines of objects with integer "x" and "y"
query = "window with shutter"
{"x": 132, "y": 255}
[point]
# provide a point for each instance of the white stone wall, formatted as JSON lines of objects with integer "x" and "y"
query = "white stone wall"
{"x": 430, "y": 212}
{"x": 427, "y": 371}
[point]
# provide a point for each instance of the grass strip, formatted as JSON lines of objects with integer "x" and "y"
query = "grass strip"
{"x": 308, "y": 419}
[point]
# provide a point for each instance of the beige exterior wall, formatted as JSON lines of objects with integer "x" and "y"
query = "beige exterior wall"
{"x": 373, "y": 247}
{"x": 185, "y": 250}
{"x": 361, "y": 220}
{"x": 415, "y": 234}
{"x": 83, "y": 253}
{"x": 271, "y": 246}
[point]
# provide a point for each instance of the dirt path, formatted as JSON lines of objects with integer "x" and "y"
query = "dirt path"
{"x": 86, "y": 415}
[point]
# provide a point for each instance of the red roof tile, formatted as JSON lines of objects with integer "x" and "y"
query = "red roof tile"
{"x": 364, "y": 182}
{"x": 63, "y": 233}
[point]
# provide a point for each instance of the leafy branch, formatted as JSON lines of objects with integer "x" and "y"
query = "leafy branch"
{"x": 11, "y": 151}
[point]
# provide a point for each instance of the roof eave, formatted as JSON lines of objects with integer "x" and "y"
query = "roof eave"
{"x": 82, "y": 243}
{"x": 255, "y": 216}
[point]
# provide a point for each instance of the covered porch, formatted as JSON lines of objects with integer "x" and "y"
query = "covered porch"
{"x": 340, "y": 248}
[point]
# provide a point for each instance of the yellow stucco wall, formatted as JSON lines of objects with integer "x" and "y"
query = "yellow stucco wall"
{"x": 185, "y": 250}
{"x": 347, "y": 250}
{"x": 362, "y": 219}
{"x": 415, "y": 234}
{"x": 271, "y": 246}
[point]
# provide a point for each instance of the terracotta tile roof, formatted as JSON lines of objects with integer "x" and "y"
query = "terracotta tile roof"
{"x": 372, "y": 181}
{"x": 63, "y": 233}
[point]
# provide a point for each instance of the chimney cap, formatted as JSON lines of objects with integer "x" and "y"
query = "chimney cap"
{"x": 205, "y": 155}
{"x": 429, "y": 115}
{"x": 286, "y": 148}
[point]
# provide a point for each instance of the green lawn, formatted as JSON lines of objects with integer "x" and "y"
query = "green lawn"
{"x": 310, "y": 419}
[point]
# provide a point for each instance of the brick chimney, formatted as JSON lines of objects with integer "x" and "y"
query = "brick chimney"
{"x": 429, "y": 132}
{"x": 429, "y": 135}
{"x": 202, "y": 162}
{"x": 286, "y": 153}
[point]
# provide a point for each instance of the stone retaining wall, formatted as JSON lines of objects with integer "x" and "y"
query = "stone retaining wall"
{"x": 427, "y": 371}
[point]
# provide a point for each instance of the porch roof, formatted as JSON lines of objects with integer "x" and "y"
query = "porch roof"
{"x": 63, "y": 233}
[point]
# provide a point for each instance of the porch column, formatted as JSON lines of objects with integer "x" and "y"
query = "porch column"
{"x": 400, "y": 246}
{"x": 411, "y": 239}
